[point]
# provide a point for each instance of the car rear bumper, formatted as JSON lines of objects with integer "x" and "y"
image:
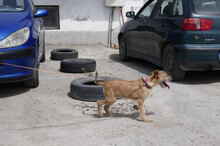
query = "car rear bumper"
{"x": 198, "y": 56}
{"x": 22, "y": 56}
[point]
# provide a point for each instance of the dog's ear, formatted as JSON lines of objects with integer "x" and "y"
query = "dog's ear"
{"x": 155, "y": 74}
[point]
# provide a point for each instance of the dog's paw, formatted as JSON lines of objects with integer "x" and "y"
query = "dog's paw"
{"x": 111, "y": 115}
{"x": 100, "y": 114}
{"x": 147, "y": 120}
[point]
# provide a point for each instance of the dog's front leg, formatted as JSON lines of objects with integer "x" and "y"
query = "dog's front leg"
{"x": 142, "y": 111}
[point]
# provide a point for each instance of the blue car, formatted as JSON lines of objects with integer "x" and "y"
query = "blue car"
{"x": 22, "y": 42}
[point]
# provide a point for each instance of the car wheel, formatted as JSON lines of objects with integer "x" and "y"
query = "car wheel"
{"x": 60, "y": 54}
{"x": 170, "y": 65}
{"x": 43, "y": 58}
{"x": 77, "y": 65}
{"x": 33, "y": 82}
{"x": 85, "y": 89}
{"x": 123, "y": 49}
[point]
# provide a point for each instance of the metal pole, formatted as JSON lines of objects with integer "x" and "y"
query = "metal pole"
{"x": 122, "y": 17}
{"x": 110, "y": 27}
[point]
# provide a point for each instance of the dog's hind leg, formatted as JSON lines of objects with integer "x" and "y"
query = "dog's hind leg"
{"x": 99, "y": 104}
{"x": 109, "y": 100}
{"x": 107, "y": 105}
{"x": 106, "y": 108}
{"x": 142, "y": 111}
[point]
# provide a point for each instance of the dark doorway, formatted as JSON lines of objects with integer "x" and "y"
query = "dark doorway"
{"x": 52, "y": 21}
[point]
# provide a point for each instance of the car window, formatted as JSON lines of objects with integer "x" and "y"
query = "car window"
{"x": 165, "y": 8}
{"x": 12, "y": 5}
{"x": 146, "y": 12}
{"x": 206, "y": 6}
{"x": 33, "y": 9}
{"x": 178, "y": 8}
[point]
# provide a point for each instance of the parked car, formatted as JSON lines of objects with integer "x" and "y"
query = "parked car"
{"x": 178, "y": 35}
{"x": 21, "y": 41}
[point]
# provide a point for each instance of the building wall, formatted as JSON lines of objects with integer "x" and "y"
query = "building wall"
{"x": 86, "y": 21}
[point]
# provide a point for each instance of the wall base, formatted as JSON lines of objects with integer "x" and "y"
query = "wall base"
{"x": 57, "y": 37}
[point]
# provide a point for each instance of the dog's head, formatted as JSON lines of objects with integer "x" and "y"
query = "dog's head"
{"x": 161, "y": 77}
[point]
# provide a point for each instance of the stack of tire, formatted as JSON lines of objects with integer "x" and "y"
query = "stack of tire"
{"x": 81, "y": 88}
{"x": 70, "y": 62}
{"x": 85, "y": 89}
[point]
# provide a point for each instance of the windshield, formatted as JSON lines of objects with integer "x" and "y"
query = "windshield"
{"x": 12, "y": 5}
{"x": 207, "y": 6}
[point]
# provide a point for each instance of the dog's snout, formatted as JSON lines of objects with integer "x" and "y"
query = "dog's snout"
{"x": 170, "y": 78}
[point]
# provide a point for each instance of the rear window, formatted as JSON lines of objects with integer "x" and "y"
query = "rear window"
{"x": 206, "y": 6}
{"x": 12, "y": 5}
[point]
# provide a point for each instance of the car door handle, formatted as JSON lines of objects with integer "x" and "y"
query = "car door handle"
{"x": 164, "y": 24}
{"x": 145, "y": 20}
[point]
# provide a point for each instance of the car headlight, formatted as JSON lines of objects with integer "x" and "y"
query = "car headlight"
{"x": 16, "y": 39}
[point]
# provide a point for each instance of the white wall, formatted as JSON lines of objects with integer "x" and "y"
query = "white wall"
{"x": 87, "y": 16}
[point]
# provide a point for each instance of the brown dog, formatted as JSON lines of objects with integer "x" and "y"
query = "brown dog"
{"x": 137, "y": 90}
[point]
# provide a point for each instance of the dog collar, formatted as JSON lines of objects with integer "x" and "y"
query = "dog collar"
{"x": 146, "y": 83}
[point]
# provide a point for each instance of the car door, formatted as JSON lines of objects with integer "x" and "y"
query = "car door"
{"x": 136, "y": 36}
{"x": 157, "y": 27}
{"x": 164, "y": 25}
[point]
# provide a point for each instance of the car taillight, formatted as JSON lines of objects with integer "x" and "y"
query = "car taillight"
{"x": 206, "y": 24}
{"x": 194, "y": 24}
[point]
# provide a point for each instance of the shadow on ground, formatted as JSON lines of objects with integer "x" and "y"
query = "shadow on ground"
{"x": 202, "y": 77}
{"x": 9, "y": 90}
{"x": 137, "y": 64}
{"x": 133, "y": 116}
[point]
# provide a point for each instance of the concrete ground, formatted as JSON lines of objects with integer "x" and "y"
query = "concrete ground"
{"x": 187, "y": 114}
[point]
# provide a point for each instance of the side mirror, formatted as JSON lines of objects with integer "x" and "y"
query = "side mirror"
{"x": 130, "y": 14}
{"x": 41, "y": 13}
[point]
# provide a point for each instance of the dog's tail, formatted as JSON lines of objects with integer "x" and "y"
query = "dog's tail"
{"x": 96, "y": 77}
{"x": 102, "y": 83}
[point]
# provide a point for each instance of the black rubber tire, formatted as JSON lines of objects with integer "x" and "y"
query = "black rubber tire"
{"x": 170, "y": 65}
{"x": 33, "y": 82}
{"x": 43, "y": 58}
{"x": 85, "y": 89}
{"x": 123, "y": 49}
{"x": 61, "y": 54}
{"x": 77, "y": 65}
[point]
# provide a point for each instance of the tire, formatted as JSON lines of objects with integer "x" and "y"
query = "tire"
{"x": 61, "y": 54}
{"x": 77, "y": 65}
{"x": 123, "y": 49}
{"x": 33, "y": 82}
{"x": 170, "y": 65}
{"x": 43, "y": 58}
{"x": 85, "y": 89}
